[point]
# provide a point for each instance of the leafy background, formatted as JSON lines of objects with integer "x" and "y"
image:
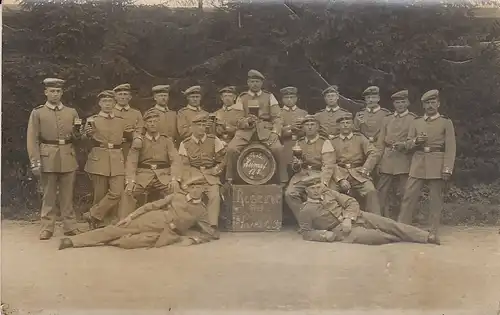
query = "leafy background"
{"x": 97, "y": 45}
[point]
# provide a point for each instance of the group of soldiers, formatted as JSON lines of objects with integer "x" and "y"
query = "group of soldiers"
{"x": 326, "y": 163}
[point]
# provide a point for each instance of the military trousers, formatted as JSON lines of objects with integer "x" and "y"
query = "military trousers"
{"x": 365, "y": 190}
{"x": 384, "y": 185}
{"x": 154, "y": 221}
{"x": 128, "y": 201}
{"x": 107, "y": 193}
{"x": 214, "y": 202}
{"x": 411, "y": 197}
{"x": 238, "y": 143}
{"x": 51, "y": 183}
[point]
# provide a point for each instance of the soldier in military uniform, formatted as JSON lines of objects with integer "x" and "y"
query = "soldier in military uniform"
{"x": 105, "y": 164}
{"x": 156, "y": 224}
{"x": 292, "y": 117}
{"x": 52, "y": 130}
{"x": 132, "y": 116}
{"x": 369, "y": 121}
{"x": 356, "y": 157}
{"x": 227, "y": 117}
{"x": 262, "y": 121}
{"x": 316, "y": 158}
{"x": 168, "y": 118}
{"x": 153, "y": 166}
{"x": 395, "y": 161}
{"x": 185, "y": 115}
{"x": 432, "y": 139}
{"x": 330, "y": 216}
{"x": 328, "y": 117}
{"x": 203, "y": 157}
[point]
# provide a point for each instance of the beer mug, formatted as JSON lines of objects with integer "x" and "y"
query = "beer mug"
{"x": 297, "y": 151}
{"x": 253, "y": 107}
{"x": 77, "y": 123}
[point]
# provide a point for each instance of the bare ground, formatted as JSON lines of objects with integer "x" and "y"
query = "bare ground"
{"x": 258, "y": 272}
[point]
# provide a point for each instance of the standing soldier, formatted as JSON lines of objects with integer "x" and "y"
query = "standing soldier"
{"x": 328, "y": 117}
{"x": 262, "y": 121}
{"x": 152, "y": 166}
{"x": 432, "y": 138}
{"x": 203, "y": 157}
{"x": 315, "y": 158}
{"x": 356, "y": 157}
{"x": 105, "y": 163}
{"x": 226, "y": 118}
{"x": 167, "y": 124}
{"x": 369, "y": 120}
{"x": 292, "y": 116}
{"x": 185, "y": 115}
{"x": 395, "y": 161}
{"x": 133, "y": 117}
{"x": 52, "y": 129}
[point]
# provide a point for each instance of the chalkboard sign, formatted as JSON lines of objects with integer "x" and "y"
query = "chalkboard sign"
{"x": 252, "y": 208}
{"x": 256, "y": 164}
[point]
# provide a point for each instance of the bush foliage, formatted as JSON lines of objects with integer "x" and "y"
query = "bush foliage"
{"x": 97, "y": 45}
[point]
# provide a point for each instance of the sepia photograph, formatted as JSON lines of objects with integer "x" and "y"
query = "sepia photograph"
{"x": 250, "y": 157}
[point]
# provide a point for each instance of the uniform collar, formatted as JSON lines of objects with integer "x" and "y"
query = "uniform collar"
{"x": 313, "y": 140}
{"x": 150, "y": 137}
{"x": 54, "y": 107}
{"x": 406, "y": 112}
{"x": 161, "y": 108}
{"x": 110, "y": 115}
{"x": 293, "y": 108}
{"x": 373, "y": 110}
{"x": 431, "y": 118}
{"x": 191, "y": 199}
{"x": 196, "y": 109}
{"x": 349, "y": 136}
{"x": 255, "y": 93}
{"x": 199, "y": 140}
{"x": 122, "y": 108}
{"x": 332, "y": 109}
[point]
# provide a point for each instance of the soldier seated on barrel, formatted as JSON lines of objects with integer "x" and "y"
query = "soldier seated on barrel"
{"x": 156, "y": 224}
{"x": 356, "y": 157}
{"x": 203, "y": 157}
{"x": 329, "y": 216}
{"x": 313, "y": 156}
{"x": 153, "y": 165}
{"x": 262, "y": 122}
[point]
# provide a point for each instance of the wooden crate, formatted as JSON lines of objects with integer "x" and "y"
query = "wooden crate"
{"x": 252, "y": 208}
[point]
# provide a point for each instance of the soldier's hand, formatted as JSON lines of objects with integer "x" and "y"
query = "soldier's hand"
{"x": 421, "y": 138}
{"x": 129, "y": 189}
{"x": 364, "y": 172}
{"x": 346, "y": 226}
{"x": 446, "y": 176}
{"x": 88, "y": 129}
{"x": 36, "y": 171}
{"x": 344, "y": 185}
{"x": 399, "y": 146}
{"x": 124, "y": 222}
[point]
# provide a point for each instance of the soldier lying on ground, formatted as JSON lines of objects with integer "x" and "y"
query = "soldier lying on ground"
{"x": 157, "y": 224}
{"x": 329, "y": 216}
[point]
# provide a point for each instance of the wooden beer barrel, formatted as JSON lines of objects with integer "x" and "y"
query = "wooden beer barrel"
{"x": 256, "y": 164}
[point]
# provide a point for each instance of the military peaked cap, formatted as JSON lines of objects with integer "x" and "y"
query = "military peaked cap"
{"x": 400, "y": 95}
{"x": 122, "y": 87}
{"x": 371, "y": 90}
{"x": 331, "y": 89}
{"x": 161, "y": 89}
{"x": 228, "y": 89}
{"x": 152, "y": 113}
{"x": 430, "y": 95}
{"x": 345, "y": 116}
{"x": 200, "y": 118}
{"x": 289, "y": 90}
{"x": 106, "y": 94}
{"x": 254, "y": 74}
{"x": 308, "y": 118}
{"x": 196, "y": 89}
{"x": 53, "y": 82}
{"x": 310, "y": 180}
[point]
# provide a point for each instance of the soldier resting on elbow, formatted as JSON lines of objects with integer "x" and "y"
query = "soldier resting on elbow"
{"x": 329, "y": 216}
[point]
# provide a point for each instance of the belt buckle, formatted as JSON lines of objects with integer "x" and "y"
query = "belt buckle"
{"x": 371, "y": 139}
{"x": 331, "y": 137}
{"x": 110, "y": 146}
{"x": 427, "y": 149}
{"x": 124, "y": 139}
{"x": 62, "y": 141}
{"x": 348, "y": 165}
{"x": 154, "y": 166}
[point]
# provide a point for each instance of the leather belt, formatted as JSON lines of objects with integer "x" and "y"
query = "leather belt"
{"x": 431, "y": 149}
{"x": 349, "y": 165}
{"x": 56, "y": 142}
{"x": 201, "y": 168}
{"x": 158, "y": 166}
{"x": 98, "y": 144}
{"x": 313, "y": 167}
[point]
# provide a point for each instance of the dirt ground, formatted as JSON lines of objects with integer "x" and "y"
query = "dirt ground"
{"x": 261, "y": 273}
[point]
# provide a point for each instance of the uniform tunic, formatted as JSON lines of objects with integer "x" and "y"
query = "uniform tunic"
{"x": 168, "y": 122}
{"x": 185, "y": 118}
{"x": 369, "y": 121}
{"x": 50, "y": 129}
{"x": 290, "y": 118}
{"x": 227, "y": 121}
{"x": 133, "y": 120}
{"x": 328, "y": 120}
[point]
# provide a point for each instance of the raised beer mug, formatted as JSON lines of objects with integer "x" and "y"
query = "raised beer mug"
{"x": 297, "y": 151}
